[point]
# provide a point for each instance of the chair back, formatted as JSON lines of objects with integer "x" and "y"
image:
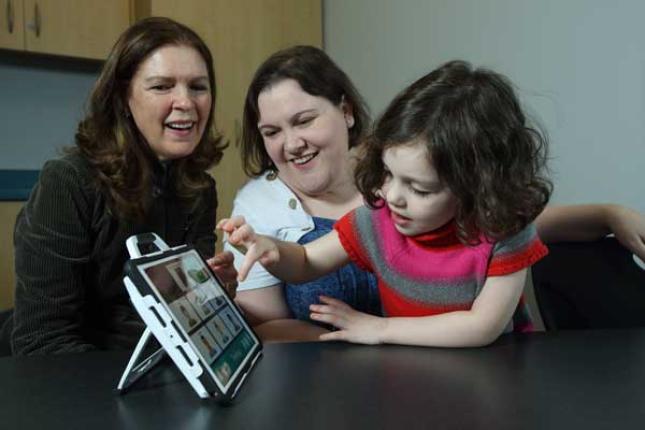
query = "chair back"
{"x": 585, "y": 285}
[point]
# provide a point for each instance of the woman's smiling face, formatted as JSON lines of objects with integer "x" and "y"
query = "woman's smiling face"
{"x": 305, "y": 136}
{"x": 170, "y": 100}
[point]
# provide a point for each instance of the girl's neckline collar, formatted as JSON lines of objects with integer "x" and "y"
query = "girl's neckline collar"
{"x": 446, "y": 235}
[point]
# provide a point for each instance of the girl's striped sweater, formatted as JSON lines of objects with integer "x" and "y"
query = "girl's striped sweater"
{"x": 433, "y": 273}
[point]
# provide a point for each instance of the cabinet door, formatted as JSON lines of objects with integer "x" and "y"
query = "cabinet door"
{"x": 77, "y": 28}
{"x": 241, "y": 34}
{"x": 12, "y": 34}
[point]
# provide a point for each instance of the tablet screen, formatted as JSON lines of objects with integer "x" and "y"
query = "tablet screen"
{"x": 205, "y": 314}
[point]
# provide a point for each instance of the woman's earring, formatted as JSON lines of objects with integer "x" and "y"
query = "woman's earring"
{"x": 349, "y": 120}
{"x": 272, "y": 175}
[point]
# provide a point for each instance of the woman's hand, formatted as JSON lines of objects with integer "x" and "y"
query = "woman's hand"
{"x": 222, "y": 265}
{"x": 629, "y": 228}
{"x": 354, "y": 326}
{"x": 255, "y": 247}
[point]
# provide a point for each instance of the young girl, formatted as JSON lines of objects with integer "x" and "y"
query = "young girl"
{"x": 452, "y": 177}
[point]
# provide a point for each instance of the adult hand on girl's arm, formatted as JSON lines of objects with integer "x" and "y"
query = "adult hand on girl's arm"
{"x": 593, "y": 222}
{"x": 629, "y": 228}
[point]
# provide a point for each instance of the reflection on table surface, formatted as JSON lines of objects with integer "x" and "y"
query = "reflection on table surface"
{"x": 593, "y": 379}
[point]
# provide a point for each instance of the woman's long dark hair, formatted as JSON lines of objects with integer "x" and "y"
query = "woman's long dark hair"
{"x": 479, "y": 142}
{"x": 110, "y": 140}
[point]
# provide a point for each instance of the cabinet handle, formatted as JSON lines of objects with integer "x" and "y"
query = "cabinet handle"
{"x": 35, "y": 24}
{"x": 10, "y": 16}
{"x": 37, "y": 19}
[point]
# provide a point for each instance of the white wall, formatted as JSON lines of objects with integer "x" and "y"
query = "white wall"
{"x": 579, "y": 66}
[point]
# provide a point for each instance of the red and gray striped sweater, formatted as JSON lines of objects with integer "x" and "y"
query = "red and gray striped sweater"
{"x": 433, "y": 273}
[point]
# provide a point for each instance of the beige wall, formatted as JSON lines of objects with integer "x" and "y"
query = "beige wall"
{"x": 579, "y": 66}
{"x": 8, "y": 212}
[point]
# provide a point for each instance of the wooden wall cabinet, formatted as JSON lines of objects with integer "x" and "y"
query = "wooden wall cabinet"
{"x": 241, "y": 34}
{"x": 75, "y": 28}
{"x": 12, "y": 35}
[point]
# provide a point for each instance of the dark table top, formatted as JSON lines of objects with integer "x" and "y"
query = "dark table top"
{"x": 570, "y": 380}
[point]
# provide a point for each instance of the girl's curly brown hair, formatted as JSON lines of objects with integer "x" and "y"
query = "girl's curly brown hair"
{"x": 110, "y": 140}
{"x": 478, "y": 140}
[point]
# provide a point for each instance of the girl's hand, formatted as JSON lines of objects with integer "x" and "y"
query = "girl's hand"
{"x": 222, "y": 265}
{"x": 629, "y": 228}
{"x": 353, "y": 326}
{"x": 255, "y": 247}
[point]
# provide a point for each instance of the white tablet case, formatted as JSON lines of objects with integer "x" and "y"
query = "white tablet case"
{"x": 171, "y": 342}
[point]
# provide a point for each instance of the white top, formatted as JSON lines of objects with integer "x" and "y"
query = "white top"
{"x": 272, "y": 209}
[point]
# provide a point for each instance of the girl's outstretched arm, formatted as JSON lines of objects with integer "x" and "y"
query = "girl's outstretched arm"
{"x": 591, "y": 222}
{"x": 287, "y": 261}
{"x": 481, "y": 325}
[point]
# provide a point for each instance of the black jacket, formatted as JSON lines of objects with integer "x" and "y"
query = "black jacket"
{"x": 70, "y": 253}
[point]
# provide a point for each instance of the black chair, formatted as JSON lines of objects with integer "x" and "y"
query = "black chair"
{"x": 5, "y": 332}
{"x": 589, "y": 285}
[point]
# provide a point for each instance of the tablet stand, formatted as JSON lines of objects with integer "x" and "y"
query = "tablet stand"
{"x": 137, "y": 368}
{"x": 139, "y": 246}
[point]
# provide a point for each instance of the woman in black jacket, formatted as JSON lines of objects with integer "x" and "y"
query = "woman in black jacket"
{"x": 139, "y": 165}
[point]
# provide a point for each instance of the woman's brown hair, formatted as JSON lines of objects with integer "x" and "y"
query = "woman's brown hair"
{"x": 110, "y": 140}
{"x": 478, "y": 140}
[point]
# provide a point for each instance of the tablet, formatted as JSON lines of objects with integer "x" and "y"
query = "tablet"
{"x": 186, "y": 308}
